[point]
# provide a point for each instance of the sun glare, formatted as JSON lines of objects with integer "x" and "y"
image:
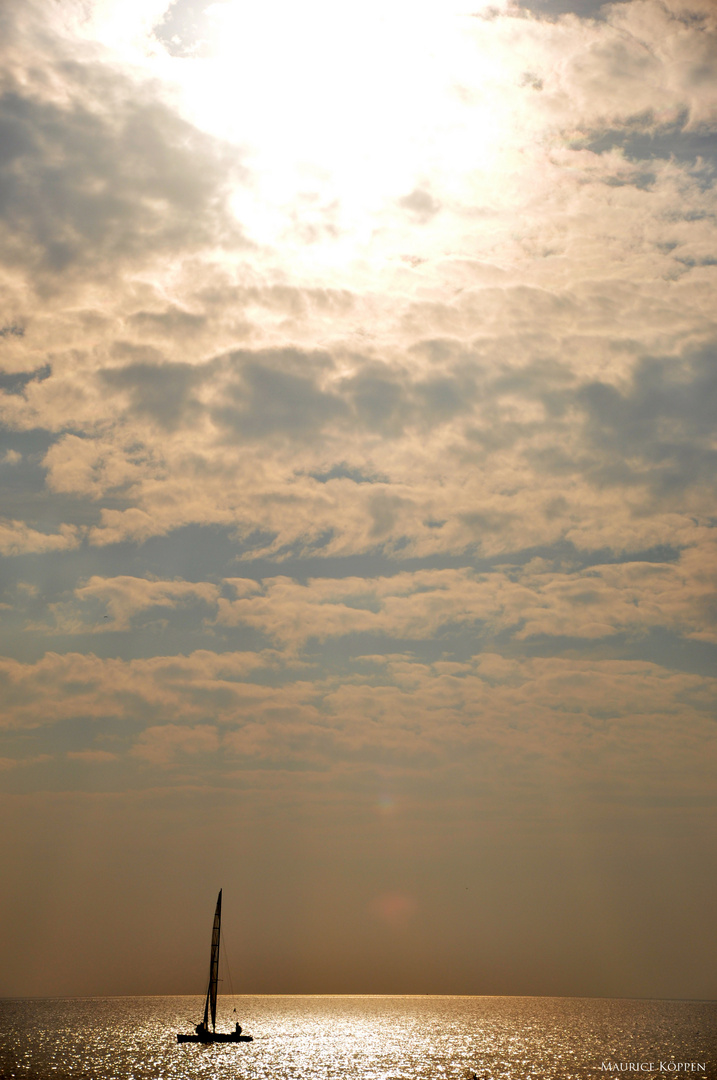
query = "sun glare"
{"x": 346, "y": 108}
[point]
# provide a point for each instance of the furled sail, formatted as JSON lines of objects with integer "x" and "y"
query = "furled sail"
{"x": 211, "y": 1003}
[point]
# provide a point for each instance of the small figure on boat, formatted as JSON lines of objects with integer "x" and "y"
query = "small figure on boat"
{"x": 238, "y": 1028}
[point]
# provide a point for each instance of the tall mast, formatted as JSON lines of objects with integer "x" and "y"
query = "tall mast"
{"x": 211, "y": 1002}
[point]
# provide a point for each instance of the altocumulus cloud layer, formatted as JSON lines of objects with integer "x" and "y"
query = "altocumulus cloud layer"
{"x": 358, "y": 458}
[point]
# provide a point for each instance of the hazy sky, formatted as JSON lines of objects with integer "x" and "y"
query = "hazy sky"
{"x": 359, "y": 403}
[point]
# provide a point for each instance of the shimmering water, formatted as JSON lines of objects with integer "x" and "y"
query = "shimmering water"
{"x": 371, "y": 1038}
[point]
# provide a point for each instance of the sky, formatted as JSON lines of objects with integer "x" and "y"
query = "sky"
{"x": 358, "y": 393}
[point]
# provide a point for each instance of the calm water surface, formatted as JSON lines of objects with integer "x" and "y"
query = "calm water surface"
{"x": 359, "y": 1038}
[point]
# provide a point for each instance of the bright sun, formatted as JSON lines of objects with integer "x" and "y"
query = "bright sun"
{"x": 347, "y": 105}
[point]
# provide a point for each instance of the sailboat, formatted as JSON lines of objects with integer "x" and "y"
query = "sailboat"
{"x": 202, "y": 1034}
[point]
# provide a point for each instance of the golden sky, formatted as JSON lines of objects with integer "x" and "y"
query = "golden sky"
{"x": 357, "y": 448}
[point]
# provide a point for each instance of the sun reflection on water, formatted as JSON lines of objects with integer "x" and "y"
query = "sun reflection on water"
{"x": 367, "y": 1037}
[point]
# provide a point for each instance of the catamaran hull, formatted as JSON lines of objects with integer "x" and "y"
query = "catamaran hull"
{"x": 218, "y": 1036}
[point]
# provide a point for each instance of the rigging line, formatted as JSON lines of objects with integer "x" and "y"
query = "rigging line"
{"x": 229, "y": 970}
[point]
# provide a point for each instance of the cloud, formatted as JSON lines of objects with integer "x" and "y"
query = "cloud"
{"x": 601, "y": 729}
{"x": 97, "y": 172}
{"x": 6, "y": 764}
{"x": 161, "y": 391}
{"x": 85, "y": 184}
{"x": 118, "y": 600}
{"x": 641, "y": 57}
{"x": 420, "y": 204}
{"x": 15, "y": 382}
{"x": 660, "y": 431}
{"x": 277, "y": 393}
{"x": 92, "y": 757}
{"x": 596, "y": 602}
{"x": 17, "y": 538}
{"x": 172, "y": 321}
{"x": 239, "y": 438}
{"x": 61, "y": 686}
{"x": 161, "y": 745}
{"x": 506, "y": 363}
{"x": 184, "y": 29}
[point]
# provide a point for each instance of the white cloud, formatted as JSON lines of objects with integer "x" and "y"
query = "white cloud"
{"x": 17, "y": 538}
{"x": 597, "y": 602}
{"x": 630, "y": 728}
{"x": 110, "y": 604}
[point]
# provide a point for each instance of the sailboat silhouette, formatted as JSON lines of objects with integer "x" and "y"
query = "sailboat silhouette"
{"x": 202, "y": 1034}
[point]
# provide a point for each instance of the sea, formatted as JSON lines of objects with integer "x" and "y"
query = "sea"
{"x": 358, "y": 1038}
